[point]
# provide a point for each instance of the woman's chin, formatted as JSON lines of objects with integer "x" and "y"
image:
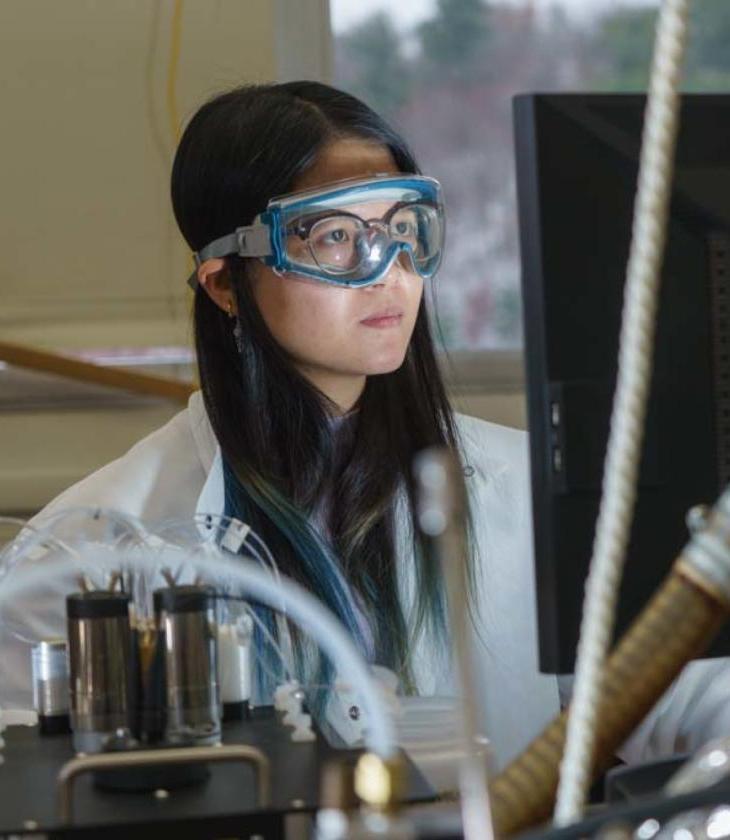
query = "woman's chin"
{"x": 385, "y": 364}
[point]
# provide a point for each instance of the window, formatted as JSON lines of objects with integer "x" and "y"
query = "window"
{"x": 443, "y": 72}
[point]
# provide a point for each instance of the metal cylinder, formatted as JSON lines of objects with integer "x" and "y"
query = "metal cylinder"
{"x": 99, "y": 644}
{"x": 49, "y": 663}
{"x": 187, "y": 629}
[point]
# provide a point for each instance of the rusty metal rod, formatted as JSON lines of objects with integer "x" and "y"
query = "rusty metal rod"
{"x": 111, "y": 377}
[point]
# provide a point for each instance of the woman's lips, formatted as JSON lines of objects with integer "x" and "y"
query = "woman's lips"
{"x": 390, "y": 317}
{"x": 382, "y": 323}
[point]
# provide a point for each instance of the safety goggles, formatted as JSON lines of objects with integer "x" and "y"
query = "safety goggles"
{"x": 347, "y": 234}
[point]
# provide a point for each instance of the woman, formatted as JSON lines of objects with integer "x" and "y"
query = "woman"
{"x": 320, "y": 384}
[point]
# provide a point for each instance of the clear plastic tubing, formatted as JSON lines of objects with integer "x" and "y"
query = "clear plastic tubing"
{"x": 257, "y": 583}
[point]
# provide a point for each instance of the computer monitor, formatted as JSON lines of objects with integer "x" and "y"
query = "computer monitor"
{"x": 577, "y": 163}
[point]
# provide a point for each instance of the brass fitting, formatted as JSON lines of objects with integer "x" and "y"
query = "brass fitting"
{"x": 379, "y": 783}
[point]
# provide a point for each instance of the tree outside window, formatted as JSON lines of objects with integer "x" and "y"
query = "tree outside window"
{"x": 446, "y": 82}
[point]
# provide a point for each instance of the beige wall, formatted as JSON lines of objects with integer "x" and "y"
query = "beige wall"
{"x": 91, "y": 255}
{"x": 44, "y": 452}
{"x": 507, "y": 409}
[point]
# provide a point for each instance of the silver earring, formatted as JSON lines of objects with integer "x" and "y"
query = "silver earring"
{"x": 238, "y": 335}
{"x": 237, "y": 329}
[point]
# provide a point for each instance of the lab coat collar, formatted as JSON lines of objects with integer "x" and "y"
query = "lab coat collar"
{"x": 202, "y": 431}
{"x": 212, "y": 496}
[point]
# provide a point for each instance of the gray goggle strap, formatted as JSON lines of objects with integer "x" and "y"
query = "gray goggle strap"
{"x": 251, "y": 241}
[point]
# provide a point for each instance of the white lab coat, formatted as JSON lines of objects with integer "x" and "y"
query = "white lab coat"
{"x": 176, "y": 471}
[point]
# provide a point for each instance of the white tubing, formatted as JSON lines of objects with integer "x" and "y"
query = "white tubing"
{"x": 168, "y": 529}
{"x": 629, "y": 408}
{"x": 302, "y": 607}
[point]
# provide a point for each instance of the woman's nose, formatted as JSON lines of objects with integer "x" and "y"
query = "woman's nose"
{"x": 394, "y": 275}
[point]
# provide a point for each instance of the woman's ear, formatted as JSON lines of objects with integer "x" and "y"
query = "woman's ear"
{"x": 214, "y": 278}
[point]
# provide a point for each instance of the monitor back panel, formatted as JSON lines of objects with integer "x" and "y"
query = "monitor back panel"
{"x": 577, "y": 165}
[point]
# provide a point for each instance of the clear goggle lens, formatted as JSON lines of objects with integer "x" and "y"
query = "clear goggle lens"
{"x": 345, "y": 243}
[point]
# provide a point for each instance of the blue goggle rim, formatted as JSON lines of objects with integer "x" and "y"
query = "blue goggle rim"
{"x": 272, "y": 219}
{"x": 428, "y": 188}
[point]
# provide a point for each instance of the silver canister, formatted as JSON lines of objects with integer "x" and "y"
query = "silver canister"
{"x": 187, "y": 629}
{"x": 99, "y": 645}
{"x": 49, "y": 664}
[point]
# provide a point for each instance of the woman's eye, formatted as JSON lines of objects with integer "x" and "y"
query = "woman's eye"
{"x": 403, "y": 228}
{"x": 336, "y": 237}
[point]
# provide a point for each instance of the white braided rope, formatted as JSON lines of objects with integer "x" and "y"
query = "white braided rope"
{"x": 627, "y": 420}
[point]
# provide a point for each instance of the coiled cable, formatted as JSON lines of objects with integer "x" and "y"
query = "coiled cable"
{"x": 629, "y": 409}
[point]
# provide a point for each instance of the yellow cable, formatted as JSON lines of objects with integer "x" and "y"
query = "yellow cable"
{"x": 158, "y": 137}
{"x": 172, "y": 74}
{"x": 173, "y": 67}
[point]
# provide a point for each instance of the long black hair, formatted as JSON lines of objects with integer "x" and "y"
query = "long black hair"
{"x": 281, "y": 455}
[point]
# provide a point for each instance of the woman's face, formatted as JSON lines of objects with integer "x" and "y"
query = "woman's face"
{"x": 330, "y": 331}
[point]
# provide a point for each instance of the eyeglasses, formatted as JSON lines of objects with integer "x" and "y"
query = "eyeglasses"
{"x": 343, "y": 243}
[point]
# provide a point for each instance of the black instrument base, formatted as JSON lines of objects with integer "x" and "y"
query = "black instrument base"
{"x": 223, "y": 806}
